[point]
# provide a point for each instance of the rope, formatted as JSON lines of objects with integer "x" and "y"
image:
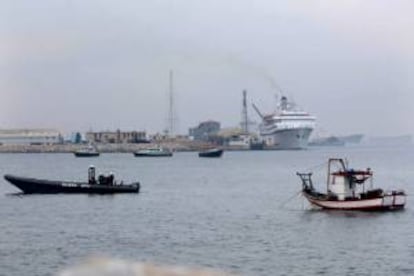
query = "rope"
{"x": 289, "y": 199}
{"x": 319, "y": 166}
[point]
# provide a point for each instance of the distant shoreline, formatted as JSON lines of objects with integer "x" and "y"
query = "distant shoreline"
{"x": 104, "y": 148}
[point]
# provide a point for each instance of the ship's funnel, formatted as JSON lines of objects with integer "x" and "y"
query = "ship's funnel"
{"x": 284, "y": 103}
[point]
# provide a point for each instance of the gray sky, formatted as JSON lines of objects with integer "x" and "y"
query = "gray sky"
{"x": 100, "y": 64}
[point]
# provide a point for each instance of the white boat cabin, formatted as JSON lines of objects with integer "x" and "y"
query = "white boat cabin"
{"x": 345, "y": 183}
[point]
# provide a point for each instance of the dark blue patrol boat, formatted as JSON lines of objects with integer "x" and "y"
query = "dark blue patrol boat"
{"x": 104, "y": 185}
{"x": 212, "y": 153}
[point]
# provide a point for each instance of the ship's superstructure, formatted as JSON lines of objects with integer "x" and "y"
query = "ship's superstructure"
{"x": 287, "y": 128}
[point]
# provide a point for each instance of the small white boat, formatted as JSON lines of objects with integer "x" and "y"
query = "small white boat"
{"x": 153, "y": 152}
{"x": 346, "y": 190}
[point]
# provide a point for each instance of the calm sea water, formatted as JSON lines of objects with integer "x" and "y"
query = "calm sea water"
{"x": 238, "y": 214}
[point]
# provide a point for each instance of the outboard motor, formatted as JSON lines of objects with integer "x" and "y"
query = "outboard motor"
{"x": 111, "y": 178}
{"x": 91, "y": 175}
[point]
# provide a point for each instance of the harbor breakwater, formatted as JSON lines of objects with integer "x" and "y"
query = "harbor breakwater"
{"x": 105, "y": 148}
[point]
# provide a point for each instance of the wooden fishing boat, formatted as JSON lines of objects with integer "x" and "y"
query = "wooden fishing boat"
{"x": 104, "y": 185}
{"x": 346, "y": 190}
{"x": 211, "y": 153}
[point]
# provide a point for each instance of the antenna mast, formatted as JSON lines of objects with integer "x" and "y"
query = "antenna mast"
{"x": 245, "y": 118}
{"x": 171, "y": 118}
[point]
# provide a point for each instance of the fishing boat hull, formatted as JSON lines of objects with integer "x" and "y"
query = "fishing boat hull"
{"x": 40, "y": 186}
{"x": 211, "y": 153}
{"x": 386, "y": 202}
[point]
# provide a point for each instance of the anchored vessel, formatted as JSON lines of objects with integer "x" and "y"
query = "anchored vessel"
{"x": 346, "y": 190}
{"x": 89, "y": 151}
{"x": 104, "y": 185}
{"x": 153, "y": 152}
{"x": 287, "y": 128}
{"x": 211, "y": 153}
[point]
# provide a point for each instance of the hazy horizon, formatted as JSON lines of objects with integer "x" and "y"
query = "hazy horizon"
{"x": 100, "y": 65}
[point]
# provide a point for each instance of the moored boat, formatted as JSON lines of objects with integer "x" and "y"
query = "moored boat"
{"x": 287, "y": 128}
{"x": 104, "y": 185}
{"x": 211, "y": 153}
{"x": 153, "y": 152}
{"x": 346, "y": 190}
{"x": 89, "y": 151}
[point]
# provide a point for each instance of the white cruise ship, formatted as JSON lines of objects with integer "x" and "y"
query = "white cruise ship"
{"x": 287, "y": 128}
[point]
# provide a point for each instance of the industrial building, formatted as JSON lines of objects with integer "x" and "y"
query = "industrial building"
{"x": 117, "y": 137}
{"x": 204, "y": 130}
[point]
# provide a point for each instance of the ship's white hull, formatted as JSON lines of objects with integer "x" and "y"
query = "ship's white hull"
{"x": 294, "y": 138}
{"x": 386, "y": 202}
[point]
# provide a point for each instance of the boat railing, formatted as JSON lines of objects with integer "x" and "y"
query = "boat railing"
{"x": 306, "y": 180}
